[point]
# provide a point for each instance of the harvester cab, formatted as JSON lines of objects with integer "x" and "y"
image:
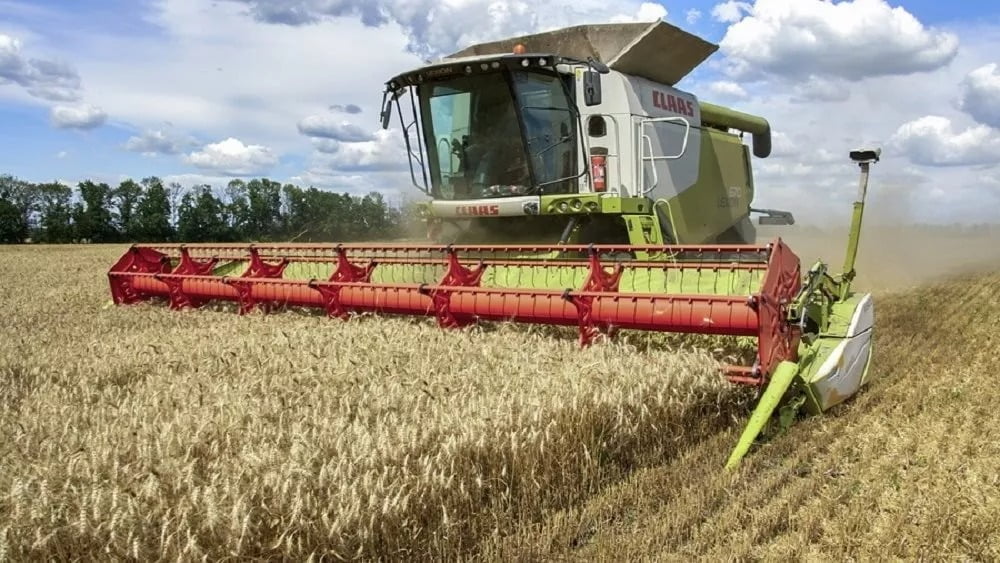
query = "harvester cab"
{"x": 571, "y": 192}
{"x": 578, "y": 136}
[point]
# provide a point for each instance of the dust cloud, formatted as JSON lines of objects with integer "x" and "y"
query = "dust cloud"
{"x": 897, "y": 256}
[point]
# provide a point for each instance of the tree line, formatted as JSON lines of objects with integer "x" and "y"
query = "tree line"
{"x": 151, "y": 211}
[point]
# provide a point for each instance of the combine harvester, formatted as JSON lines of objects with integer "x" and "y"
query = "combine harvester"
{"x": 569, "y": 191}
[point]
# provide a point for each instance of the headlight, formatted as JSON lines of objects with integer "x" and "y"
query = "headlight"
{"x": 563, "y": 207}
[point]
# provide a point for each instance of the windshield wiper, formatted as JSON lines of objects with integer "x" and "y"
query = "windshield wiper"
{"x": 562, "y": 140}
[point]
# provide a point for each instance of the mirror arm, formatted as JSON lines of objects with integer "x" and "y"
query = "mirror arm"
{"x": 598, "y": 66}
{"x": 386, "y": 113}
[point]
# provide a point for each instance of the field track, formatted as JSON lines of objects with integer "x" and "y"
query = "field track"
{"x": 907, "y": 470}
{"x": 140, "y": 432}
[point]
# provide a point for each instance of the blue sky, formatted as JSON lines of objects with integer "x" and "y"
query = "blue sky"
{"x": 202, "y": 91}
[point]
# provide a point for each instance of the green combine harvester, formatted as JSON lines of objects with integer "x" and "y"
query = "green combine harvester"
{"x": 569, "y": 182}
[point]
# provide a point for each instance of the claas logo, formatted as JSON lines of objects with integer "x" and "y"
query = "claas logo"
{"x": 672, "y": 103}
{"x": 478, "y": 210}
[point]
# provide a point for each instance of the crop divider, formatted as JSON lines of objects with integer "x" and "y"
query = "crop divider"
{"x": 193, "y": 266}
{"x": 260, "y": 269}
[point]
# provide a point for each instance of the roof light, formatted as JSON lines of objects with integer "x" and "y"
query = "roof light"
{"x": 525, "y": 63}
{"x": 520, "y": 49}
{"x": 541, "y": 62}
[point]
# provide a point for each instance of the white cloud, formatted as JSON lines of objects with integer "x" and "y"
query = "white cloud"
{"x": 330, "y": 127}
{"x": 383, "y": 153}
{"x": 731, "y": 11}
{"x": 727, "y": 89}
{"x": 933, "y": 141}
{"x": 852, "y": 40}
{"x": 692, "y": 16}
{"x": 818, "y": 89}
{"x": 782, "y": 145}
{"x": 348, "y": 108}
{"x": 393, "y": 185}
{"x": 157, "y": 141}
{"x": 647, "y": 12}
{"x": 327, "y": 146}
{"x": 436, "y": 28}
{"x": 80, "y": 116}
{"x": 231, "y": 156}
{"x": 200, "y": 83}
{"x": 42, "y": 78}
{"x": 981, "y": 95}
{"x": 380, "y": 164}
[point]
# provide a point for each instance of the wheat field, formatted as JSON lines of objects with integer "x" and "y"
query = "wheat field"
{"x": 141, "y": 433}
{"x": 144, "y": 433}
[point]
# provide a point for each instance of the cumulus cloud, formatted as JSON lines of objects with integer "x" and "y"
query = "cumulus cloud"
{"x": 436, "y": 28}
{"x": 334, "y": 163}
{"x": 782, "y": 145}
{"x": 349, "y": 108}
{"x": 42, "y": 78}
{"x": 80, "y": 116}
{"x": 731, "y": 11}
{"x": 851, "y": 40}
{"x": 981, "y": 95}
{"x": 934, "y": 141}
{"x": 727, "y": 89}
{"x": 327, "y": 146}
{"x": 818, "y": 89}
{"x": 157, "y": 141}
{"x": 648, "y": 12}
{"x": 233, "y": 157}
{"x": 331, "y": 127}
{"x": 692, "y": 16}
{"x": 385, "y": 152}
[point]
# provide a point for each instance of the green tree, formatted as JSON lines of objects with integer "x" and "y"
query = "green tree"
{"x": 254, "y": 208}
{"x": 202, "y": 217}
{"x": 151, "y": 222}
{"x": 318, "y": 215}
{"x": 237, "y": 209}
{"x": 264, "y": 198}
{"x": 13, "y": 229}
{"x": 92, "y": 216}
{"x": 23, "y": 197}
{"x": 125, "y": 198}
{"x": 55, "y": 223}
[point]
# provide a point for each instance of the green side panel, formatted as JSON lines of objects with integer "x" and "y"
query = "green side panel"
{"x": 814, "y": 355}
{"x": 781, "y": 380}
{"x": 841, "y": 313}
{"x": 722, "y": 194}
{"x": 643, "y": 230}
